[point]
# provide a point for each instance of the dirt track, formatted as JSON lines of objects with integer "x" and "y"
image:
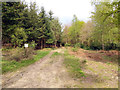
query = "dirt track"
{"x": 50, "y": 72}
{"x": 46, "y": 73}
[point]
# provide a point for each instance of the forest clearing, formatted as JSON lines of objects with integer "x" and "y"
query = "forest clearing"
{"x": 54, "y": 71}
{"x": 42, "y": 50}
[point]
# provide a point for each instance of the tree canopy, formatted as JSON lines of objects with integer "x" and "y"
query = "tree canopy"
{"x": 25, "y": 24}
{"x": 101, "y": 32}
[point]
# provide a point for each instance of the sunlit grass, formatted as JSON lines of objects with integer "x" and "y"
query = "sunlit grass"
{"x": 73, "y": 64}
{"x": 55, "y": 54}
{"x": 14, "y": 65}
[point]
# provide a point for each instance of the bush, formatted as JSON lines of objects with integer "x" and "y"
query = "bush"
{"x": 16, "y": 54}
{"x": 82, "y": 46}
{"x": 5, "y": 49}
{"x": 16, "y": 57}
{"x": 32, "y": 44}
{"x": 67, "y": 44}
{"x": 77, "y": 45}
{"x": 74, "y": 49}
{"x": 21, "y": 54}
{"x": 95, "y": 46}
{"x": 28, "y": 53}
{"x": 87, "y": 48}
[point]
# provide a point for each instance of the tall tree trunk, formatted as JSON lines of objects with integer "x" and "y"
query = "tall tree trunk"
{"x": 55, "y": 44}
{"x": 103, "y": 46}
{"x": 44, "y": 43}
{"x": 102, "y": 37}
{"x": 102, "y": 42}
{"x": 41, "y": 44}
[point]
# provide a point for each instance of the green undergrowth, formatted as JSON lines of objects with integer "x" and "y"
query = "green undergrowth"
{"x": 9, "y": 66}
{"x": 55, "y": 54}
{"x": 73, "y": 65}
{"x": 74, "y": 49}
{"x": 111, "y": 58}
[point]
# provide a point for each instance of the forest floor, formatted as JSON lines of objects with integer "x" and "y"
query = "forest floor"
{"x": 101, "y": 71}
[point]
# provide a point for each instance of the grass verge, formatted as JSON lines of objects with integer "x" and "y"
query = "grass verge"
{"x": 74, "y": 65}
{"x": 55, "y": 54}
{"x": 9, "y": 66}
{"x": 111, "y": 59}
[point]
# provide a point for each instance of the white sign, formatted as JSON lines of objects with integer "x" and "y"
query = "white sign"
{"x": 25, "y": 45}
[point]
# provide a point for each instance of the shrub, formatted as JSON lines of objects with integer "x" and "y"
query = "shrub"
{"x": 17, "y": 54}
{"x": 21, "y": 54}
{"x": 74, "y": 49}
{"x": 82, "y": 46}
{"x": 16, "y": 57}
{"x": 67, "y": 44}
{"x": 87, "y": 48}
{"x": 77, "y": 45}
{"x": 28, "y": 52}
{"x": 32, "y": 44}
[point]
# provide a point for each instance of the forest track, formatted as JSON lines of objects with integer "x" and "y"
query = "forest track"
{"x": 10, "y": 78}
{"x": 45, "y": 73}
{"x": 50, "y": 72}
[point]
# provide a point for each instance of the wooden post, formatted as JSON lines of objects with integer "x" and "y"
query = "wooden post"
{"x": 26, "y": 46}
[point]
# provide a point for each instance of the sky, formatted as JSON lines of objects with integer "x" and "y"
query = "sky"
{"x": 65, "y": 9}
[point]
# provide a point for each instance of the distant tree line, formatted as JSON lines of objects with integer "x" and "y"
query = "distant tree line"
{"x": 101, "y": 32}
{"x": 27, "y": 24}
